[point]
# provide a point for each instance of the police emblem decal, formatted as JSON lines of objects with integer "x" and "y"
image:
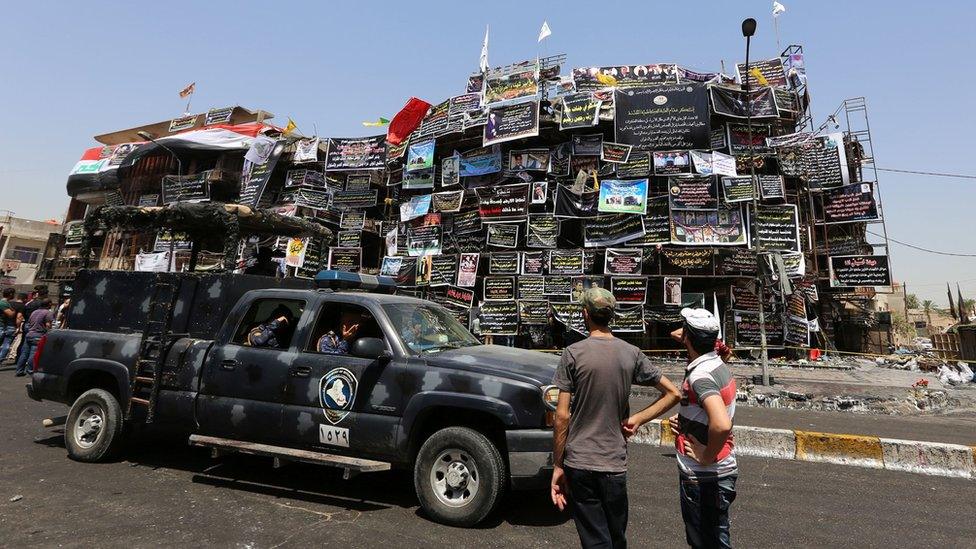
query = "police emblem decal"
{"x": 337, "y": 392}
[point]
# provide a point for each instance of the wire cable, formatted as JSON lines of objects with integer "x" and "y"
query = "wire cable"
{"x": 919, "y": 247}
{"x": 956, "y": 175}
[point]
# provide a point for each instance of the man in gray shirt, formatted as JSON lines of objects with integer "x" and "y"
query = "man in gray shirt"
{"x": 592, "y": 419}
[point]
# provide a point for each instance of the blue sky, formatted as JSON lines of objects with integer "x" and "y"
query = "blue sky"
{"x": 73, "y": 70}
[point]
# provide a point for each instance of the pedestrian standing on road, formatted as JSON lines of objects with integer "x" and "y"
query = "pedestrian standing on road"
{"x": 8, "y": 322}
{"x": 39, "y": 294}
{"x": 39, "y": 323}
{"x": 18, "y": 305}
{"x": 594, "y": 379}
{"x": 707, "y": 468}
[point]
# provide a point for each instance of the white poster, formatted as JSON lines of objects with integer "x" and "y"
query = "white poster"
{"x": 260, "y": 150}
{"x": 152, "y": 262}
{"x": 306, "y": 150}
{"x": 723, "y": 164}
{"x": 467, "y": 270}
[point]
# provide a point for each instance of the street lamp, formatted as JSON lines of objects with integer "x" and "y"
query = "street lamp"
{"x": 749, "y": 29}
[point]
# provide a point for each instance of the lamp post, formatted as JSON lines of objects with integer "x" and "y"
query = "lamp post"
{"x": 749, "y": 29}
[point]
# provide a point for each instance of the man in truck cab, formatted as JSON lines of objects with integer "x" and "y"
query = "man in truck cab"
{"x": 338, "y": 344}
{"x": 272, "y": 332}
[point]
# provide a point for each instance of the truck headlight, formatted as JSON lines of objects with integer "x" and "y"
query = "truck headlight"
{"x": 550, "y": 396}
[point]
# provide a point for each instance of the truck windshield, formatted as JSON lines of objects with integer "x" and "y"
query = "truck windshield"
{"x": 427, "y": 328}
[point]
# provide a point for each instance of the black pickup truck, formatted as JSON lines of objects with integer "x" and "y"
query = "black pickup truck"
{"x": 415, "y": 389}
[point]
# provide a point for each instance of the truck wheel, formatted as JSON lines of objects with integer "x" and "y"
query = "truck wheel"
{"x": 93, "y": 430}
{"x": 459, "y": 476}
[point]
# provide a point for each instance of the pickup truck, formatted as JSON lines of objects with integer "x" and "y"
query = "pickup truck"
{"x": 415, "y": 389}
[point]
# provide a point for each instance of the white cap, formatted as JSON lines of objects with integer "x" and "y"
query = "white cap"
{"x": 700, "y": 319}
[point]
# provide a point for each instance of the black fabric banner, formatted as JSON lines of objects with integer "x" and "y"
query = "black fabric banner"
{"x": 565, "y": 262}
{"x": 859, "y": 270}
{"x": 629, "y": 289}
{"x": 542, "y": 231}
{"x": 570, "y": 204}
{"x": 570, "y": 315}
{"x": 747, "y": 330}
{"x": 850, "y": 203}
{"x": 608, "y": 230}
{"x": 503, "y": 203}
{"x": 619, "y": 261}
{"x": 532, "y": 287}
{"x": 503, "y": 263}
{"x": 512, "y": 122}
{"x": 365, "y": 198}
{"x": 663, "y": 118}
{"x": 255, "y": 177}
{"x": 580, "y": 110}
{"x": 628, "y": 319}
{"x": 777, "y": 229}
{"x": 733, "y": 102}
{"x": 558, "y": 286}
{"x": 499, "y": 318}
{"x": 359, "y": 153}
{"x": 738, "y": 189}
{"x": 448, "y": 201}
{"x": 737, "y": 261}
{"x": 443, "y": 270}
{"x": 738, "y": 135}
{"x": 346, "y": 259}
{"x": 772, "y": 186}
{"x": 499, "y": 288}
{"x": 503, "y": 236}
{"x": 533, "y": 263}
{"x": 637, "y": 165}
{"x": 188, "y": 188}
{"x": 693, "y": 193}
{"x": 534, "y": 312}
{"x": 657, "y": 223}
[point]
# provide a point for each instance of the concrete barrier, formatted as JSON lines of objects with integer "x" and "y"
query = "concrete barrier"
{"x": 864, "y": 451}
{"x": 764, "y": 442}
{"x": 930, "y": 458}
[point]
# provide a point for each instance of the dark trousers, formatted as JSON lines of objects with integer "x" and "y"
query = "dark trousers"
{"x": 599, "y": 503}
{"x": 705, "y": 510}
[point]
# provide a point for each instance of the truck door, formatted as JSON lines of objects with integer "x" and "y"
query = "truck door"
{"x": 339, "y": 403}
{"x": 242, "y": 386}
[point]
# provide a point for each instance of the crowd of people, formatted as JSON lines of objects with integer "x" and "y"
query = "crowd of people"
{"x": 24, "y": 319}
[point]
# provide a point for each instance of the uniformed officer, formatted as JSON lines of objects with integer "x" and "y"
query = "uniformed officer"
{"x": 334, "y": 344}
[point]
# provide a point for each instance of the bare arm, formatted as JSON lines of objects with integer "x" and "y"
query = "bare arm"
{"x": 559, "y": 433}
{"x": 668, "y": 397}
{"x": 719, "y": 429}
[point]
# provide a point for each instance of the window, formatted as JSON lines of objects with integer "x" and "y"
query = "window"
{"x": 334, "y": 316}
{"x": 426, "y": 328}
{"x": 269, "y": 323}
{"x": 24, "y": 254}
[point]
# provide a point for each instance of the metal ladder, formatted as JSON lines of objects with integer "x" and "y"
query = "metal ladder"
{"x": 147, "y": 373}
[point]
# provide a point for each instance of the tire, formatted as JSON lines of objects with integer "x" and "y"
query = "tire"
{"x": 93, "y": 430}
{"x": 459, "y": 476}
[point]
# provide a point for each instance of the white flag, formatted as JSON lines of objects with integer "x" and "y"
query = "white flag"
{"x": 778, "y": 9}
{"x": 484, "y": 52}
{"x": 545, "y": 32}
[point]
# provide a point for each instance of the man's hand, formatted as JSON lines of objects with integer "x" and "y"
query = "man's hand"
{"x": 559, "y": 488}
{"x": 630, "y": 426}
{"x": 675, "y": 423}
{"x": 696, "y": 450}
{"x": 348, "y": 333}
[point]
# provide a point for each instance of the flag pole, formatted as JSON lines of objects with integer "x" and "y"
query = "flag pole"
{"x": 776, "y": 30}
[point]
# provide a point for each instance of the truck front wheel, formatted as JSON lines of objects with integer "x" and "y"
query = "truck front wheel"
{"x": 93, "y": 430}
{"x": 459, "y": 476}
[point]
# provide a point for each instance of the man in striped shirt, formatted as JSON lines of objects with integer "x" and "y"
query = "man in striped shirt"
{"x": 703, "y": 432}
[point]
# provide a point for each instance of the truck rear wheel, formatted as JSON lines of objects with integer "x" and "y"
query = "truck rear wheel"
{"x": 459, "y": 476}
{"x": 93, "y": 430}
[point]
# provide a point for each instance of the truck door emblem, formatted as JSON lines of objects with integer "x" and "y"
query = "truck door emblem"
{"x": 337, "y": 392}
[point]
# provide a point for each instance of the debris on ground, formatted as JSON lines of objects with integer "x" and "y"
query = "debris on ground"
{"x": 18, "y": 497}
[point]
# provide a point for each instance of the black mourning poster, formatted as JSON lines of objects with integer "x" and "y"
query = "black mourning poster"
{"x": 747, "y": 330}
{"x": 693, "y": 193}
{"x": 580, "y": 110}
{"x": 503, "y": 236}
{"x": 533, "y": 263}
{"x": 542, "y": 231}
{"x": 502, "y": 203}
{"x": 738, "y": 189}
{"x": 360, "y": 153}
{"x": 771, "y": 186}
{"x": 532, "y": 287}
{"x": 503, "y": 263}
{"x": 565, "y": 262}
{"x": 443, "y": 269}
{"x": 850, "y": 203}
{"x": 511, "y": 122}
{"x": 657, "y": 223}
{"x": 859, "y": 270}
{"x": 623, "y": 262}
{"x": 663, "y": 118}
{"x": 777, "y": 228}
{"x": 629, "y": 289}
{"x": 499, "y": 288}
{"x": 499, "y": 318}
{"x": 637, "y": 165}
{"x": 608, "y": 230}
{"x": 734, "y": 103}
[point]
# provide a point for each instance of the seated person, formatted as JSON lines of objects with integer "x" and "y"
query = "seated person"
{"x": 273, "y": 331}
{"x": 334, "y": 344}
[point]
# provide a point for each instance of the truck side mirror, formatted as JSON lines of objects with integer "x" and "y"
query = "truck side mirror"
{"x": 370, "y": 347}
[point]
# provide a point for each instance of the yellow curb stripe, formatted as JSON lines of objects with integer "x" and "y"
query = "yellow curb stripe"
{"x": 667, "y": 437}
{"x": 813, "y": 446}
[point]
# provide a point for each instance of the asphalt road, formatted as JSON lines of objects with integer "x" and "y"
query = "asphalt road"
{"x": 163, "y": 493}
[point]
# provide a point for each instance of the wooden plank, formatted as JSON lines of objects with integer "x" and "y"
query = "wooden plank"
{"x": 306, "y": 456}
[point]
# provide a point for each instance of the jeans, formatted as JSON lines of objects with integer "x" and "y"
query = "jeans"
{"x": 25, "y": 361}
{"x": 7, "y": 336}
{"x": 599, "y": 503}
{"x": 705, "y": 510}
